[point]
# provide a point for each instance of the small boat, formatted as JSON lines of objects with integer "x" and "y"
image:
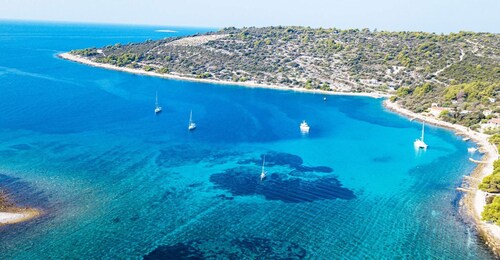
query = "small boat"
{"x": 324, "y": 99}
{"x": 471, "y": 149}
{"x": 419, "y": 143}
{"x": 476, "y": 161}
{"x": 157, "y": 108}
{"x": 263, "y": 174}
{"x": 304, "y": 127}
{"x": 192, "y": 125}
{"x": 466, "y": 139}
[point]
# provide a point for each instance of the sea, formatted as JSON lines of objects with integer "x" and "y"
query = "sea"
{"x": 114, "y": 180}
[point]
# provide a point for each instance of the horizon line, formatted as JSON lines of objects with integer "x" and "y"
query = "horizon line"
{"x": 222, "y": 27}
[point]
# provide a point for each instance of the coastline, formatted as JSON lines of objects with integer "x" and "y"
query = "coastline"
{"x": 78, "y": 59}
{"x": 474, "y": 200}
{"x": 14, "y": 216}
{"x": 9, "y": 214}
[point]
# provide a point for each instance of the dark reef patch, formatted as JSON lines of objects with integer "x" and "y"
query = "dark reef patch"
{"x": 239, "y": 248}
{"x": 224, "y": 197}
{"x": 244, "y": 181}
{"x": 21, "y": 147}
{"x": 196, "y": 184}
{"x": 177, "y": 251}
{"x": 285, "y": 159}
{"x": 22, "y": 193}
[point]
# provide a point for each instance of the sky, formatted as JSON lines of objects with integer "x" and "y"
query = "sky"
{"x": 440, "y": 16}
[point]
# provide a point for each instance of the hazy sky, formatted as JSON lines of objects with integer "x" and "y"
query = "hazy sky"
{"x": 408, "y": 15}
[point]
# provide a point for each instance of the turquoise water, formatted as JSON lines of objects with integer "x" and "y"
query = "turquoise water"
{"x": 114, "y": 180}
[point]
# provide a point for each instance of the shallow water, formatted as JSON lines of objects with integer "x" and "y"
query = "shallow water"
{"x": 114, "y": 180}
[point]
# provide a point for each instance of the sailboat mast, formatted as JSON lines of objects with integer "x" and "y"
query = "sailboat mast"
{"x": 422, "y": 138}
{"x": 191, "y": 116}
{"x": 263, "y": 162}
{"x": 156, "y": 103}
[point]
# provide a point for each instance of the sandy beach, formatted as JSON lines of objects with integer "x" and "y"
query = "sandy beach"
{"x": 17, "y": 216}
{"x": 10, "y": 214}
{"x": 474, "y": 201}
{"x": 71, "y": 57}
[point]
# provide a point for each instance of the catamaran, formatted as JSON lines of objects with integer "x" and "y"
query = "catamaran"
{"x": 304, "y": 127}
{"x": 263, "y": 173}
{"x": 192, "y": 125}
{"x": 157, "y": 108}
{"x": 419, "y": 143}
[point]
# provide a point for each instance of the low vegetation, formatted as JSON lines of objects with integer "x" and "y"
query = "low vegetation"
{"x": 491, "y": 211}
{"x": 465, "y": 103}
{"x": 491, "y": 184}
{"x": 459, "y": 71}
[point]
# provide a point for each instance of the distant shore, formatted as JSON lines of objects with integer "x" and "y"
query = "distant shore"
{"x": 71, "y": 57}
{"x": 474, "y": 201}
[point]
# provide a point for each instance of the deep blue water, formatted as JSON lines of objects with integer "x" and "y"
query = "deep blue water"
{"x": 114, "y": 180}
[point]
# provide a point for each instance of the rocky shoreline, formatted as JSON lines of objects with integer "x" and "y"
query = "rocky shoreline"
{"x": 474, "y": 200}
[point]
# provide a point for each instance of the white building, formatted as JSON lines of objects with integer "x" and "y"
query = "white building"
{"x": 494, "y": 122}
{"x": 491, "y": 124}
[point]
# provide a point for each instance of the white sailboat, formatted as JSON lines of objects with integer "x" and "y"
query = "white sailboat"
{"x": 192, "y": 125}
{"x": 472, "y": 149}
{"x": 263, "y": 173}
{"x": 304, "y": 127}
{"x": 157, "y": 108}
{"x": 419, "y": 143}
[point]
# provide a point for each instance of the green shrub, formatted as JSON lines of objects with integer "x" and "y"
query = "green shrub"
{"x": 491, "y": 211}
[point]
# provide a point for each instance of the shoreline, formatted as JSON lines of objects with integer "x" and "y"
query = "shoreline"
{"x": 16, "y": 215}
{"x": 10, "y": 214}
{"x": 78, "y": 59}
{"x": 473, "y": 201}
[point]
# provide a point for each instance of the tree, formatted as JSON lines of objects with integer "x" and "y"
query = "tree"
{"x": 491, "y": 211}
{"x": 421, "y": 90}
{"x": 495, "y": 139}
{"x": 402, "y": 91}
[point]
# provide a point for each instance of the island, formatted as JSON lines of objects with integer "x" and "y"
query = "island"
{"x": 451, "y": 80}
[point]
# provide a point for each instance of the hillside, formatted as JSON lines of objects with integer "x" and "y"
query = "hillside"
{"x": 460, "y": 71}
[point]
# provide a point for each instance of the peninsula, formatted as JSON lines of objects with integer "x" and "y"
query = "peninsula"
{"x": 458, "y": 72}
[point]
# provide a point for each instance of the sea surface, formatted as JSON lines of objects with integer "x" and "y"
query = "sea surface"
{"x": 114, "y": 180}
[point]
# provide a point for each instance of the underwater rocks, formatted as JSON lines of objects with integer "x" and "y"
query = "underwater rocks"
{"x": 238, "y": 248}
{"x": 285, "y": 159}
{"x": 245, "y": 181}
